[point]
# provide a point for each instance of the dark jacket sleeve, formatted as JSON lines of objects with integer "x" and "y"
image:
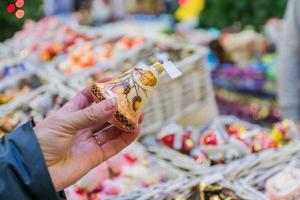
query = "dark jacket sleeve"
{"x": 23, "y": 171}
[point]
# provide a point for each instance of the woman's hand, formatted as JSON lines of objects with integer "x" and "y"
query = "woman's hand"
{"x": 67, "y": 141}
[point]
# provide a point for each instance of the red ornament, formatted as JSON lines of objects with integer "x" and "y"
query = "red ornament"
{"x": 69, "y": 41}
{"x": 97, "y": 189}
{"x": 20, "y": 3}
{"x": 198, "y": 159}
{"x": 209, "y": 138}
{"x": 168, "y": 140}
{"x": 199, "y": 156}
{"x": 130, "y": 158}
{"x": 80, "y": 191}
{"x": 11, "y": 8}
{"x": 182, "y": 2}
{"x": 187, "y": 143}
{"x": 233, "y": 130}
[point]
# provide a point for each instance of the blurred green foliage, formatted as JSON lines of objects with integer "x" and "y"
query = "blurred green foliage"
{"x": 10, "y": 24}
{"x": 222, "y": 13}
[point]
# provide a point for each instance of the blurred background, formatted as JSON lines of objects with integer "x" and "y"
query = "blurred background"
{"x": 226, "y": 129}
{"x": 215, "y": 13}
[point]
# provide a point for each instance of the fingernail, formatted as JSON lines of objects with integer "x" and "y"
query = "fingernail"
{"x": 109, "y": 104}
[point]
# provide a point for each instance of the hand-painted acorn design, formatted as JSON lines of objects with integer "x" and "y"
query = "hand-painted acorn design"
{"x": 148, "y": 78}
{"x": 136, "y": 103}
{"x": 123, "y": 88}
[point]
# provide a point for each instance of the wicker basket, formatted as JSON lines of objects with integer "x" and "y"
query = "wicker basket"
{"x": 261, "y": 171}
{"x": 163, "y": 169}
{"x": 6, "y": 51}
{"x": 52, "y": 88}
{"x": 184, "y": 188}
{"x": 245, "y": 190}
{"x": 99, "y": 66}
{"x": 257, "y": 163}
{"x": 38, "y": 103}
{"x": 29, "y": 69}
{"x": 13, "y": 81}
{"x": 235, "y": 169}
{"x": 181, "y": 161}
{"x": 187, "y": 163}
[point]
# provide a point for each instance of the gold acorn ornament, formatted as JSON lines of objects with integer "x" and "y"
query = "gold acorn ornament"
{"x": 132, "y": 90}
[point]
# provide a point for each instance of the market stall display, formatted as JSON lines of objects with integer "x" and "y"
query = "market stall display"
{"x": 209, "y": 187}
{"x": 55, "y": 38}
{"x": 226, "y": 139}
{"x": 12, "y": 68}
{"x": 257, "y": 79}
{"x": 290, "y": 189}
{"x": 244, "y": 76}
{"x": 247, "y": 107}
{"x": 21, "y": 89}
{"x": 125, "y": 172}
{"x": 263, "y": 175}
{"x": 229, "y": 158}
{"x": 148, "y": 55}
{"x": 92, "y": 53}
{"x": 243, "y": 47}
{"x": 40, "y": 106}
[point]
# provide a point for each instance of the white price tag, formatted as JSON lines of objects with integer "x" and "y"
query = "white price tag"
{"x": 171, "y": 70}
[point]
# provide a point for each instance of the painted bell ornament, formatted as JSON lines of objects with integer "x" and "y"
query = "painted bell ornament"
{"x": 132, "y": 89}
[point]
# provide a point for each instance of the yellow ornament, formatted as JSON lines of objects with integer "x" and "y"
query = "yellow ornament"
{"x": 277, "y": 135}
{"x": 189, "y": 9}
{"x": 280, "y": 131}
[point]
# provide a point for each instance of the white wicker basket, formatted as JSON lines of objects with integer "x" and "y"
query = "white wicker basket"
{"x": 29, "y": 69}
{"x": 13, "y": 81}
{"x": 99, "y": 66}
{"x": 184, "y": 188}
{"x": 155, "y": 165}
{"x": 52, "y": 88}
{"x": 255, "y": 163}
{"x": 36, "y": 106}
{"x": 233, "y": 170}
{"x": 256, "y": 177}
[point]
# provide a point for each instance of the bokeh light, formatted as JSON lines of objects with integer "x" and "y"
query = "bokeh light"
{"x": 20, "y": 14}
{"x": 182, "y": 2}
{"x": 20, "y": 3}
{"x": 11, "y": 8}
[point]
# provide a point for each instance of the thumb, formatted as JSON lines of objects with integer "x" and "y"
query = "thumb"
{"x": 96, "y": 114}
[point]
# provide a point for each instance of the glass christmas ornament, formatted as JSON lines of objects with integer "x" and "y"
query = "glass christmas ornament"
{"x": 132, "y": 89}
